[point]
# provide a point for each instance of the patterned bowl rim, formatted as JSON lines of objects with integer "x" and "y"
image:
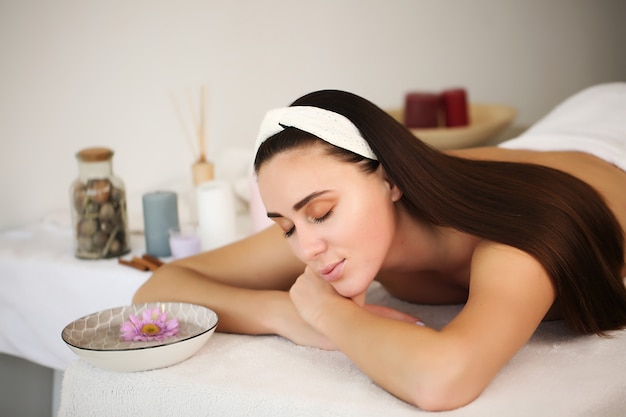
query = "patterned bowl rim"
{"x": 138, "y": 348}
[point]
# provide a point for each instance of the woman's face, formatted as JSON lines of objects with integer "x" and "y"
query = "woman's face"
{"x": 337, "y": 219}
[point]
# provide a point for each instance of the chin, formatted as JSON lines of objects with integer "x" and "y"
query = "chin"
{"x": 354, "y": 282}
{"x": 350, "y": 291}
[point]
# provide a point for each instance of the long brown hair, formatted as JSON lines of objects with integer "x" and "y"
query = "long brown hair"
{"x": 558, "y": 219}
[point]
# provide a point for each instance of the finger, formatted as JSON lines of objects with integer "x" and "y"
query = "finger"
{"x": 359, "y": 299}
{"x": 392, "y": 313}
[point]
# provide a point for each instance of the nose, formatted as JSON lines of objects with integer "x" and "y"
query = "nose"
{"x": 310, "y": 244}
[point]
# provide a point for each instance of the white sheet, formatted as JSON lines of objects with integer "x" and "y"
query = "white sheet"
{"x": 556, "y": 374}
{"x": 44, "y": 287}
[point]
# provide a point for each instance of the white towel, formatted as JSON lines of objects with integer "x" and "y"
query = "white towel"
{"x": 592, "y": 121}
{"x": 555, "y": 374}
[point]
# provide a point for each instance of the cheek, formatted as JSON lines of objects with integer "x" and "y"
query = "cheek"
{"x": 372, "y": 228}
{"x": 295, "y": 249}
{"x": 368, "y": 247}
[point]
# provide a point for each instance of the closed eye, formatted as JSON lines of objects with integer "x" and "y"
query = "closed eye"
{"x": 323, "y": 218}
{"x": 315, "y": 220}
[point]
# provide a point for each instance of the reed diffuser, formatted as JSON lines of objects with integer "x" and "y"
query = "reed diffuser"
{"x": 202, "y": 168}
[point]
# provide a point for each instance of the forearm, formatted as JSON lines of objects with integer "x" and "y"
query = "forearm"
{"x": 414, "y": 363}
{"x": 238, "y": 308}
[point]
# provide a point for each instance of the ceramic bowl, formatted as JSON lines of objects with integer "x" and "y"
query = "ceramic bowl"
{"x": 96, "y": 338}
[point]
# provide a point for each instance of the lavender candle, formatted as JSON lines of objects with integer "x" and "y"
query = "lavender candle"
{"x": 184, "y": 242}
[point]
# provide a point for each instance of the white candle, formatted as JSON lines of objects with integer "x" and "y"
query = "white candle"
{"x": 216, "y": 214}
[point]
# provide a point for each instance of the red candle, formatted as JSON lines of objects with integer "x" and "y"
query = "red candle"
{"x": 455, "y": 107}
{"x": 421, "y": 110}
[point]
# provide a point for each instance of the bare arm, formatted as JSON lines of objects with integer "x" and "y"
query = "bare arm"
{"x": 510, "y": 294}
{"x": 245, "y": 283}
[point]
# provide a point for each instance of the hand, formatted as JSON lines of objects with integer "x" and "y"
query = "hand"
{"x": 285, "y": 321}
{"x": 312, "y": 296}
{"x": 302, "y": 333}
{"x": 392, "y": 314}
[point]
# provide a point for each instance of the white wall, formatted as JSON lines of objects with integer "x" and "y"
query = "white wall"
{"x": 78, "y": 73}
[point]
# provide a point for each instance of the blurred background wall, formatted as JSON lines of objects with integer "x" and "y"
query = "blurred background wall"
{"x": 77, "y": 73}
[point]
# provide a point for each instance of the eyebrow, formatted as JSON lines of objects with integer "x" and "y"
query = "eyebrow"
{"x": 300, "y": 203}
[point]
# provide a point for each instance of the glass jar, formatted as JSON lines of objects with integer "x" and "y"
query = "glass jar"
{"x": 98, "y": 202}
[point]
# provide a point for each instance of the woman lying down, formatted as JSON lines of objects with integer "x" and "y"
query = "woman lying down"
{"x": 528, "y": 231}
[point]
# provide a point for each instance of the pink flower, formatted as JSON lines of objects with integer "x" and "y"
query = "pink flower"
{"x": 153, "y": 325}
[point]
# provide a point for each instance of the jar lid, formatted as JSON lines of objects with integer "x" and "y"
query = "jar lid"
{"x": 94, "y": 154}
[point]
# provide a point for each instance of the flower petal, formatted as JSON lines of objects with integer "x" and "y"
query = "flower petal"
{"x": 153, "y": 325}
{"x": 171, "y": 324}
{"x": 135, "y": 320}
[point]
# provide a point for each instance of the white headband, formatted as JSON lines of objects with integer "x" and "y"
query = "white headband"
{"x": 329, "y": 126}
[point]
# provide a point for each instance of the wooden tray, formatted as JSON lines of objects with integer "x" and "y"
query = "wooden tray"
{"x": 486, "y": 121}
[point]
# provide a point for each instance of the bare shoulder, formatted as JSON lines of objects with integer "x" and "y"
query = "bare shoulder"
{"x": 510, "y": 293}
{"x": 509, "y": 289}
{"x": 503, "y": 268}
{"x": 499, "y": 255}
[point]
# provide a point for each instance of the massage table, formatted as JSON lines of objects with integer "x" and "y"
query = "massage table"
{"x": 556, "y": 374}
{"x": 44, "y": 288}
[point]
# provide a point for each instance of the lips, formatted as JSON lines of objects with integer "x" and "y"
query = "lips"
{"x": 332, "y": 272}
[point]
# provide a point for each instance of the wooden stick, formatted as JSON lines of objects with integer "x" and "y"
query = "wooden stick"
{"x": 132, "y": 264}
{"x": 196, "y": 124}
{"x": 152, "y": 259}
{"x": 202, "y": 131}
{"x": 183, "y": 125}
{"x": 145, "y": 263}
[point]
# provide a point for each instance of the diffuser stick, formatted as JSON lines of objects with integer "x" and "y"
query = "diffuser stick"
{"x": 183, "y": 125}
{"x": 202, "y": 127}
{"x": 196, "y": 123}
